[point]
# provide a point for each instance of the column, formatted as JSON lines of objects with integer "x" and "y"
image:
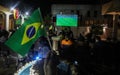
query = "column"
{"x": 115, "y": 23}
{"x": 7, "y": 21}
{"x": 22, "y": 19}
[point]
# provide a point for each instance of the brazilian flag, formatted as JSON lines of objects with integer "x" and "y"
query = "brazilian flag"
{"x": 23, "y": 38}
{"x": 18, "y": 22}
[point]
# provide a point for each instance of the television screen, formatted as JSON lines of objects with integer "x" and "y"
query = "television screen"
{"x": 66, "y": 20}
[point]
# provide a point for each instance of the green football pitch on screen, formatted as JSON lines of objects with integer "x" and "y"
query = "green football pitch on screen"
{"x": 66, "y": 20}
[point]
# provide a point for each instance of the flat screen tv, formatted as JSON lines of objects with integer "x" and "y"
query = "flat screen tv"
{"x": 66, "y": 20}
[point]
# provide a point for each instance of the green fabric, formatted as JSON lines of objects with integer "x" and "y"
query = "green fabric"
{"x": 22, "y": 40}
{"x": 18, "y": 22}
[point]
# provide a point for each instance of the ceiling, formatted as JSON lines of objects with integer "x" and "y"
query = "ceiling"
{"x": 39, "y": 2}
{"x": 45, "y": 5}
{"x": 80, "y": 1}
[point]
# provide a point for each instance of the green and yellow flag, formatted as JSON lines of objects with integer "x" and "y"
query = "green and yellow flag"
{"x": 22, "y": 40}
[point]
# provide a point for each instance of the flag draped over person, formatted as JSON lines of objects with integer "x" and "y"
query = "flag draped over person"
{"x": 22, "y": 40}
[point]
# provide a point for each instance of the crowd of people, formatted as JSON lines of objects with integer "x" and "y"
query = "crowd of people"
{"x": 4, "y": 53}
{"x": 85, "y": 55}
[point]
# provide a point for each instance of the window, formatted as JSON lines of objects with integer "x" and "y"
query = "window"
{"x": 95, "y": 13}
{"x": 78, "y": 13}
{"x": 72, "y": 11}
{"x": 88, "y": 13}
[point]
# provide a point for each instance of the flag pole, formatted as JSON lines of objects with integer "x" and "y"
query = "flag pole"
{"x": 49, "y": 41}
{"x": 46, "y": 32}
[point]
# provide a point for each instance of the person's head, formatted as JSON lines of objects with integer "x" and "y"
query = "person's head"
{"x": 98, "y": 38}
{"x": 69, "y": 28}
{"x": 66, "y": 37}
{"x": 43, "y": 40}
{"x": 0, "y": 28}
